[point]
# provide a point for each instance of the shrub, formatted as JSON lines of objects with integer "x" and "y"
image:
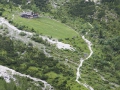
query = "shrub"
{"x": 0, "y": 13}
{"x": 2, "y": 9}
{"x": 5, "y": 17}
{"x": 32, "y": 30}
{"x": 22, "y": 34}
{"x": 10, "y": 21}
{"x": 66, "y": 38}
{"x": 63, "y": 20}
{"x": 37, "y": 39}
{"x": 6, "y": 31}
{"x": 60, "y": 40}
{"x": 30, "y": 44}
{"x": 1, "y": 27}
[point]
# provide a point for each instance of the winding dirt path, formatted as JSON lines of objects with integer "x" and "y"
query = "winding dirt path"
{"x": 78, "y": 73}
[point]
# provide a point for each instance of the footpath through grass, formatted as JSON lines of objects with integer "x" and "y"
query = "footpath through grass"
{"x": 47, "y": 26}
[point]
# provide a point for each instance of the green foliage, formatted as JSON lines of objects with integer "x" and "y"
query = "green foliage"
{"x": 82, "y": 8}
{"x": 38, "y": 39}
{"x": 32, "y": 61}
{"x": 24, "y": 84}
{"x": 1, "y": 27}
{"x": 17, "y": 1}
{"x": 22, "y": 34}
{"x": 41, "y": 4}
{"x": 112, "y": 4}
{"x": 101, "y": 14}
{"x": 0, "y": 13}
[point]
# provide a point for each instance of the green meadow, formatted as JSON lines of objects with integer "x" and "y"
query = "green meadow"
{"x": 47, "y": 26}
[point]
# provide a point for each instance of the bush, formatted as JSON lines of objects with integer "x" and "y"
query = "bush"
{"x": 66, "y": 38}
{"x": 0, "y": 13}
{"x": 10, "y": 21}
{"x": 1, "y": 27}
{"x": 30, "y": 44}
{"x": 63, "y": 20}
{"x": 22, "y": 34}
{"x": 21, "y": 27}
{"x": 2, "y": 9}
{"x": 60, "y": 40}
{"x": 5, "y": 17}
{"x": 32, "y": 30}
{"x": 37, "y": 39}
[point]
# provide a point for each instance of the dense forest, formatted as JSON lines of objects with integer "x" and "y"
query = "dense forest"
{"x": 100, "y": 20}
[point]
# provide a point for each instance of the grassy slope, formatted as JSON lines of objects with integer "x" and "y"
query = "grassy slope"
{"x": 47, "y": 26}
{"x": 42, "y": 25}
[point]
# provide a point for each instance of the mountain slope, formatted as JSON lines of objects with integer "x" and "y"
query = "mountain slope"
{"x": 99, "y": 22}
